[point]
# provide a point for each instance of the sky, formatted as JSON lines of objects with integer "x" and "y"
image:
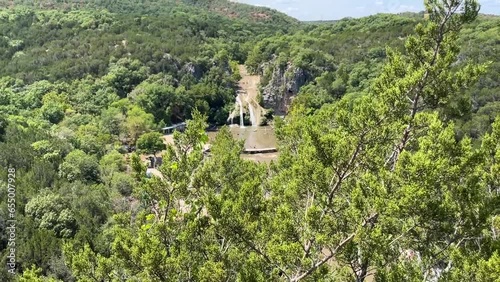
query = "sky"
{"x": 308, "y": 10}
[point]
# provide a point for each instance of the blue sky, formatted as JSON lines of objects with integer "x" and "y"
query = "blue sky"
{"x": 337, "y": 9}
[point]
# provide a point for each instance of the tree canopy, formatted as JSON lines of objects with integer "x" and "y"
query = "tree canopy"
{"x": 389, "y": 152}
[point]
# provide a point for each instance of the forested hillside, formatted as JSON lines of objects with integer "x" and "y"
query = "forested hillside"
{"x": 389, "y": 150}
{"x": 324, "y": 62}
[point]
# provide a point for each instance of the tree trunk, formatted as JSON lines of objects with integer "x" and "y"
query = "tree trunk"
{"x": 363, "y": 271}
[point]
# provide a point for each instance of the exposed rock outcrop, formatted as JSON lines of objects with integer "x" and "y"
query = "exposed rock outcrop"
{"x": 168, "y": 63}
{"x": 193, "y": 69}
{"x": 284, "y": 84}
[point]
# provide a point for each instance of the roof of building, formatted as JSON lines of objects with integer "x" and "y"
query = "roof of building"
{"x": 174, "y": 126}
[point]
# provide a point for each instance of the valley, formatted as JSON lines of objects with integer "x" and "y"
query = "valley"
{"x": 360, "y": 149}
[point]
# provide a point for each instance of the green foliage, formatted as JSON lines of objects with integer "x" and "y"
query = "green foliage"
{"x": 3, "y": 126}
{"x": 389, "y": 155}
{"x": 111, "y": 166}
{"x": 92, "y": 140}
{"x": 123, "y": 183}
{"x": 79, "y": 166}
{"x": 489, "y": 270}
{"x": 34, "y": 275}
{"x": 124, "y": 75}
{"x": 83, "y": 262}
{"x": 137, "y": 122}
{"x": 163, "y": 101}
{"x": 151, "y": 143}
{"x": 51, "y": 212}
{"x": 138, "y": 167}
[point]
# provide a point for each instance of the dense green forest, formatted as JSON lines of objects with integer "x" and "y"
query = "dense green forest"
{"x": 389, "y": 165}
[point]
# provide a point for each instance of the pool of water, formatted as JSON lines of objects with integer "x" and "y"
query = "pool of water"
{"x": 255, "y": 137}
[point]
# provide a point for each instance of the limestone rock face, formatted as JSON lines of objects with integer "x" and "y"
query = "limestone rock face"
{"x": 169, "y": 63}
{"x": 192, "y": 69}
{"x": 284, "y": 84}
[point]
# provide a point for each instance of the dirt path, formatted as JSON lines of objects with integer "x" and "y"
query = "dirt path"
{"x": 249, "y": 83}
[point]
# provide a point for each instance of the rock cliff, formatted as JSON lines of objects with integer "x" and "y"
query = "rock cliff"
{"x": 284, "y": 84}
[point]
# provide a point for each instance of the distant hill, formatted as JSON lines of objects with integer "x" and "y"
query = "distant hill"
{"x": 234, "y": 9}
{"x": 179, "y": 28}
{"x": 228, "y": 9}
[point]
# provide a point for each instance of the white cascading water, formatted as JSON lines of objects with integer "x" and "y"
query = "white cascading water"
{"x": 242, "y": 125}
{"x": 252, "y": 115}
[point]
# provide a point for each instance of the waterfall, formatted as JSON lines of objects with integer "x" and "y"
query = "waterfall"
{"x": 230, "y": 118}
{"x": 252, "y": 115}
{"x": 242, "y": 124}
